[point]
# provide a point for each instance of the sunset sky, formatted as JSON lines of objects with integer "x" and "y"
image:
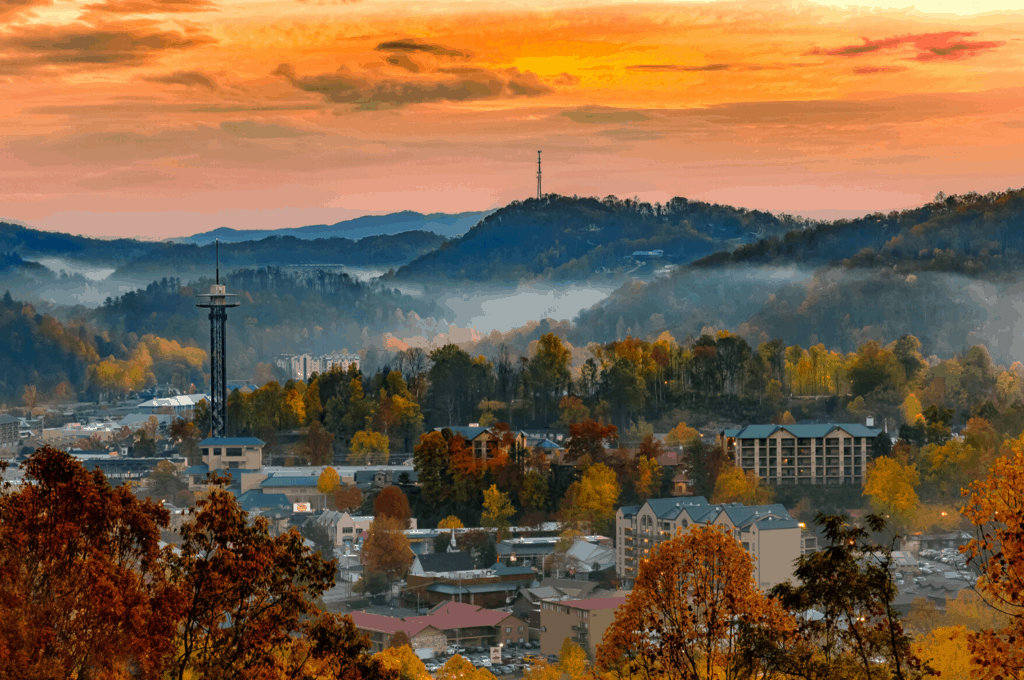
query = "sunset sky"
{"x": 161, "y": 118}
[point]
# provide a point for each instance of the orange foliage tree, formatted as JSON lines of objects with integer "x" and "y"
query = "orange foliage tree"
{"x": 391, "y": 502}
{"x": 83, "y": 590}
{"x": 693, "y": 606}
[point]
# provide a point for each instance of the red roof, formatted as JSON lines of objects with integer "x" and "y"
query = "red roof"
{"x": 595, "y": 603}
{"x": 386, "y": 624}
{"x": 447, "y": 616}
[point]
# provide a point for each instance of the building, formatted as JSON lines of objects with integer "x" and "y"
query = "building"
{"x": 9, "y": 429}
{"x": 767, "y": 532}
{"x": 458, "y": 623}
{"x": 802, "y": 454}
{"x": 582, "y": 621}
{"x": 343, "y": 528}
{"x": 486, "y": 442}
{"x": 528, "y": 602}
{"x": 183, "y": 405}
{"x": 232, "y": 453}
{"x": 442, "y": 577}
{"x": 301, "y": 366}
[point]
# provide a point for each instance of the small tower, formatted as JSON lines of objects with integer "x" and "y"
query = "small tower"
{"x": 539, "y": 194}
{"x": 218, "y": 300}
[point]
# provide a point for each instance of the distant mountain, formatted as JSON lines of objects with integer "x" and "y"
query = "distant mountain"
{"x": 971, "y": 234}
{"x": 442, "y": 224}
{"x": 571, "y": 238}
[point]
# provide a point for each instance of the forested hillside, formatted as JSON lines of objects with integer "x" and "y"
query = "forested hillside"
{"x": 972, "y": 234}
{"x": 568, "y": 238}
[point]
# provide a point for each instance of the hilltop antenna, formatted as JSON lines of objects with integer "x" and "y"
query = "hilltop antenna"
{"x": 218, "y": 300}
{"x": 216, "y": 248}
{"x": 538, "y": 176}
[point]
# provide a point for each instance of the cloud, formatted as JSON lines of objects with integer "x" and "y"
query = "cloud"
{"x": 947, "y": 45}
{"x": 867, "y": 70}
{"x": 403, "y": 61}
{"x": 11, "y": 7}
{"x": 252, "y": 130}
{"x": 565, "y": 79}
{"x": 150, "y": 6}
{"x": 186, "y": 78}
{"x": 446, "y": 85}
{"x": 79, "y": 45}
{"x": 413, "y": 46}
{"x": 680, "y": 68}
{"x": 604, "y": 116}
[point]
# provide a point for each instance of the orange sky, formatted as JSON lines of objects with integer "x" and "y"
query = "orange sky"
{"x": 160, "y": 118}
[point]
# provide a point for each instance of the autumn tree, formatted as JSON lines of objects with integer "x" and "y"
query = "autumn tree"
{"x": 587, "y": 440}
{"x": 498, "y": 510}
{"x": 247, "y": 595}
{"x": 572, "y": 660}
{"x": 165, "y": 481}
{"x": 647, "y": 479}
{"x": 693, "y": 607}
{"x": 549, "y": 370}
{"x": 328, "y": 481}
{"x": 431, "y": 460}
{"x": 368, "y": 448}
{"x": 386, "y": 550}
{"x": 400, "y": 639}
{"x": 318, "y": 447}
{"x": 399, "y": 658}
{"x": 391, "y": 502}
{"x": 347, "y": 497}
{"x": 83, "y": 587}
{"x": 186, "y": 435}
{"x": 458, "y": 668}
{"x": 591, "y": 500}
{"x": 705, "y": 461}
{"x": 735, "y": 485}
{"x": 890, "y": 488}
{"x": 571, "y": 410}
{"x": 997, "y": 550}
{"x": 680, "y": 435}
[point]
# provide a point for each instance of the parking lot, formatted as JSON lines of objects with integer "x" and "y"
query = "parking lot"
{"x": 514, "y": 660}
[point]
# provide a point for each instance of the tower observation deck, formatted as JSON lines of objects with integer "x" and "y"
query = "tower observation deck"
{"x": 217, "y": 301}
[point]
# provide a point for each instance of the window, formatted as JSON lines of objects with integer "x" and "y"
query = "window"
{"x": 508, "y": 630}
{"x": 234, "y": 451}
{"x": 346, "y": 530}
{"x": 216, "y": 452}
{"x": 520, "y": 630}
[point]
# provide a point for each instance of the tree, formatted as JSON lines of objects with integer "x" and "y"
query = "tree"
{"x": 450, "y": 522}
{"x": 843, "y": 601}
{"x": 458, "y": 668}
{"x": 572, "y": 411}
{"x": 186, "y": 435}
{"x": 79, "y": 559}
{"x": 648, "y": 478}
{"x": 693, "y": 607}
{"x": 680, "y": 435}
{"x": 348, "y": 497}
{"x": 311, "y": 402}
{"x": 431, "y": 459}
{"x": 318, "y": 447}
{"x": 890, "y": 487}
{"x": 533, "y": 491}
{"x": 368, "y": 448}
{"x": 399, "y": 658}
{"x": 247, "y": 596}
{"x": 998, "y": 552}
{"x": 737, "y": 486}
{"x": 498, "y": 510}
{"x": 29, "y": 396}
{"x": 592, "y": 499}
{"x": 589, "y": 439}
{"x": 946, "y": 651}
{"x": 328, "y": 481}
{"x": 391, "y": 502}
{"x": 317, "y": 534}
{"x": 572, "y": 660}
{"x": 165, "y": 481}
{"x": 549, "y": 370}
{"x": 202, "y": 418}
{"x": 386, "y": 549}
{"x": 705, "y": 462}
{"x": 145, "y": 445}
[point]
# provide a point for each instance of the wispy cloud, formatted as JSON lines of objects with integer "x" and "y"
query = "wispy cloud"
{"x": 186, "y": 78}
{"x": 680, "y": 67}
{"x": 929, "y": 46}
{"x": 150, "y": 6}
{"x": 413, "y": 46}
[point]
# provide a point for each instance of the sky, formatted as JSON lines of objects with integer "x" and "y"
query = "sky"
{"x": 163, "y": 118}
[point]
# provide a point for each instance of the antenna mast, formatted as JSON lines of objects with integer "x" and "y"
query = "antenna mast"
{"x": 217, "y": 251}
{"x": 539, "y": 194}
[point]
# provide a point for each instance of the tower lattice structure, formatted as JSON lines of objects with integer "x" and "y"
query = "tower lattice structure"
{"x": 217, "y": 301}
{"x": 539, "y": 194}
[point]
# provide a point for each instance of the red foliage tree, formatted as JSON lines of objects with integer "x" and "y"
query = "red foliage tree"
{"x": 391, "y": 502}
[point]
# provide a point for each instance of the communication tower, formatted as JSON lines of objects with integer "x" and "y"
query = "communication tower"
{"x": 538, "y": 176}
{"x": 218, "y": 300}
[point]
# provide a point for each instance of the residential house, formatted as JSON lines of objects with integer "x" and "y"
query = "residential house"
{"x": 767, "y": 532}
{"x": 582, "y": 621}
{"x": 344, "y": 529}
{"x": 486, "y": 442}
{"x": 802, "y": 454}
{"x": 460, "y": 623}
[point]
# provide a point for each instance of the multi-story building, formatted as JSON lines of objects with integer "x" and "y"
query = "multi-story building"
{"x": 802, "y": 454}
{"x": 458, "y": 623}
{"x": 767, "y": 532}
{"x": 301, "y": 366}
{"x": 9, "y": 427}
{"x": 582, "y": 621}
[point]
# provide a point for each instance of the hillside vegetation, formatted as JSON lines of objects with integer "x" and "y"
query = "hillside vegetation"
{"x": 972, "y": 234}
{"x": 571, "y": 238}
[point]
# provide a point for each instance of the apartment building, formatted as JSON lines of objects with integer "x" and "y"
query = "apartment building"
{"x": 767, "y": 532}
{"x": 9, "y": 427}
{"x": 582, "y": 621}
{"x": 802, "y": 454}
{"x": 301, "y": 366}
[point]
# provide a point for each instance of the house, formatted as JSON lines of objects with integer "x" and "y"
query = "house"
{"x": 582, "y": 621}
{"x": 441, "y": 577}
{"x": 486, "y": 442}
{"x": 456, "y": 622}
{"x": 528, "y": 602}
{"x": 802, "y": 454}
{"x": 343, "y": 528}
{"x": 434, "y": 563}
{"x": 767, "y": 532}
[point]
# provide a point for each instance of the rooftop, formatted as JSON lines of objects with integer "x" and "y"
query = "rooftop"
{"x": 231, "y": 441}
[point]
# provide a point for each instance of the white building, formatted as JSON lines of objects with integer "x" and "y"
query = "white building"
{"x": 301, "y": 366}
